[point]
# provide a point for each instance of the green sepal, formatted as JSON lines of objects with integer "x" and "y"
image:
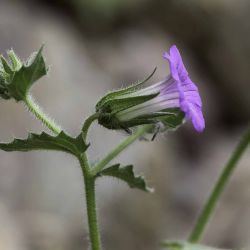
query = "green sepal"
{"x": 18, "y": 77}
{"x": 44, "y": 141}
{"x": 116, "y": 94}
{"x": 107, "y": 115}
{"x": 127, "y": 175}
{"x": 3, "y": 91}
{"x": 16, "y": 62}
{"x": 117, "y": 105}
{"x": 171, "y": 119}
{"x": 5, "y": 67}
{"x": 184, "y": 245}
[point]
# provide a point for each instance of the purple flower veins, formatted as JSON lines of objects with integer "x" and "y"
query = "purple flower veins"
{"x": 176, "y": 91}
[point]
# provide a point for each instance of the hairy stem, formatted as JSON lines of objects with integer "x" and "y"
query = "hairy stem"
{"x": 210, "y": 205}
{"x": 116, "y": 151}
{"x": 94, "y": 232}
{"x": 87, "y": 125}
{"x": 89, "y": 181}
{"x": 40, "y": 115}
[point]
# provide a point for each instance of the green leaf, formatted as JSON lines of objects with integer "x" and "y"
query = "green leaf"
{"x": 17, "y": 77}
{"x": 126, "y": 174}
{"x": 44, "y": 141}
{"x": 27, "y": 75}
{"x": 184, "y": 245}
{"x": 115, "y": 94}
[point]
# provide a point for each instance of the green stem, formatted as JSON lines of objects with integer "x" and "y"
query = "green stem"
{"x": 39, "y": 114}
{"x": 87, "y": 124}
{"x": 101, "y": 164}
{"x": 94, "y": 232}
{"x": 89, "y": 181}
{"x": 218, "y": 188}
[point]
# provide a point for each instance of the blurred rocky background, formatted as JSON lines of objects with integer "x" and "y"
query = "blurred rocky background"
{"x": 93, "y": 46}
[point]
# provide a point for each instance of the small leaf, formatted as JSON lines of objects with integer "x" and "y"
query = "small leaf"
{"x": 27, "y": 75}
{"x": 184, "y": 245}
{"x": 126, "y": 174}
{"x": 44, "y": 141}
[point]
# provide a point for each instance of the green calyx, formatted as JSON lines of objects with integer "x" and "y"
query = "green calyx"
{"x": 108, "y": 113}
{"x": 114, "y": 102}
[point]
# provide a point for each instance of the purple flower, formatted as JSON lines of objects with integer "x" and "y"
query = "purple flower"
{"x": 176, "y": 91}
{"x": 189, "y": 98}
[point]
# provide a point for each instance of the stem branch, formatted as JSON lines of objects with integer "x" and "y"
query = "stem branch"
{"x": 218, "y": 189}
{"x": 89, "y": 180}
{"x": 87, "y": 124}
{"x": 40, "y": 115}
{"x": 116, "y": 151}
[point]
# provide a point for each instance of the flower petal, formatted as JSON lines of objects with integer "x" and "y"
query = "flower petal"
{"x": 176, "y": 65}
{"x": 197, "y": 117}
{"x": 189, "y": 97}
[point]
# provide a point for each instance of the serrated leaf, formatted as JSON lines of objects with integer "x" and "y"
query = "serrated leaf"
{"x": 184, "y": 245}
{"x": 44, "y": 141}
{"x": 126, "y": 174}
{"x": 27, "y": 75}
{"x": 117, "y": 93}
